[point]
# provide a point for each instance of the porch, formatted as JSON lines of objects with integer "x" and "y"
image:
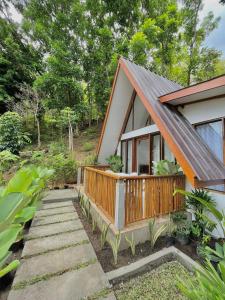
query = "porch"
{"x": 126, "y": 200}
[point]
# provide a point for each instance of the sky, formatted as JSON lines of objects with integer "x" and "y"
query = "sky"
{"x": 216, "y": 39}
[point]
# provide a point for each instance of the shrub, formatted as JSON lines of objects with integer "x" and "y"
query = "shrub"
{"x": 88, "y": 146}
{"x": 12, "y": 136}
{"x": 65, "y": 168}
{"x": 115, "y": 163}
{"x": 166, "y": 167}
{"x": 57, "y": 148}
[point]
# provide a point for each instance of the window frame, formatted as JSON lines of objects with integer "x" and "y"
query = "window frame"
{"x": 222, "y": 119}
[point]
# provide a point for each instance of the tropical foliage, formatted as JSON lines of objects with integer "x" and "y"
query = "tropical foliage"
{"x": 19, "y": 200}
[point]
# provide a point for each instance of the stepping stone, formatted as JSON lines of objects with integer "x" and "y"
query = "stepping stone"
{"x": 54, "y": 261}
{"x": 37, "y": 246}
{"x": 56, "y": 205}
{"x": 60, "y": 195}
{"x": 54, "y": 219}
{"x": 42, "y": 231}
{"x": 54, "y": 211}
{"x": 73, "y": 285}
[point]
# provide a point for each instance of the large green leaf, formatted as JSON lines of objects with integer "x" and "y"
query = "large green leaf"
{"x": 25, "y": 215}
{"x": 10, "y": 205}
{"x": 7, "y": 238}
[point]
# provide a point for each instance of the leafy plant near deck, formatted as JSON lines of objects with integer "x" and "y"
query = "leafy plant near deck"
{"x": 219, "y": 215}
{"x": 18, "y": 203}
{"x": 155, "y": 232}
{"x": 208, "y": 283}
{"x": 166, "y": 167}
{"x": 131, "y": 243}
{"x": 104, "y": 232}
{"x": 115, "y": 245}
{"x": 115, "y": 163}
{"x": 217, "y": 254}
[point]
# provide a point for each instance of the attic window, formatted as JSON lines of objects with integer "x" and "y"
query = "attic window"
{"x": 138, "y": 117}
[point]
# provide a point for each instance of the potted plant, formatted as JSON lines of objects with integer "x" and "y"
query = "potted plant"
{"x": 115, "y": 163}
{"x": 182, "y": 233}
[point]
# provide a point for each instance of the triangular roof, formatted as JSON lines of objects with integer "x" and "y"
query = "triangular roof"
{"x": 199, "y": 164}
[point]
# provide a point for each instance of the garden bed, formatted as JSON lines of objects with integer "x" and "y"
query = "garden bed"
{"x": 160, "y": 283}
{"x": 125, "y": 257}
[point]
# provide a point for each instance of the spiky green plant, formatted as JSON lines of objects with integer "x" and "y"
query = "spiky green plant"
{"x": 93, "y": 225}
{"x": 131, "y": 243}
{"x": 155, "y": 232}
{"x": 115, "y": 245}
{"x": 207, "y": 284}
{"x": 104, "y": 232}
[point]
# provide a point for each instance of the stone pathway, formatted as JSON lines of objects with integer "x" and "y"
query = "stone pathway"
{"x": 58, "y": 260}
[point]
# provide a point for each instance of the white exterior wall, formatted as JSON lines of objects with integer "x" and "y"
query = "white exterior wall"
{"x": 201, "y": 112}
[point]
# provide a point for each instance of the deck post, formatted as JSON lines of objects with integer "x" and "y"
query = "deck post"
{"x": 120, "y": 205}
{"x": 79, "y": 176}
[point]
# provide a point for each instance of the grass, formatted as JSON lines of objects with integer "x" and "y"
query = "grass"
{"x": 88, "y": 146}
{"x": 157, "y": 284}
{"x": 23, "y": 284}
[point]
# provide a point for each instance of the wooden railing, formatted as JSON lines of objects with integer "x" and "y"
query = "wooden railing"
{"x": 152, "y": 196}
{"x": 100, "y": 187}
{"x": 133, "y": 198}
{"x": 81, "y": 171}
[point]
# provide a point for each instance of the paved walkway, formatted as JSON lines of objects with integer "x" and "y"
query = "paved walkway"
{"x": 59, "y": 262}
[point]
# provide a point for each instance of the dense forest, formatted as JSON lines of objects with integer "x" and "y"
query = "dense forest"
{"x": 57, "y": 65}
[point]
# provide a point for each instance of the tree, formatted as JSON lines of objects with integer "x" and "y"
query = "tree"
{"x": 30, "y": 103}
{"x": 19, "y": 60}
{"x": 195, "y": 34}
{"x": 69, "y": 119}
{"x": 155, "y": 44}
{"x": 12, "y": 135}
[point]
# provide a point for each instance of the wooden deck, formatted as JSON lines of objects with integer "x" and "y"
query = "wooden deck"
{"x": 143, "y": 197}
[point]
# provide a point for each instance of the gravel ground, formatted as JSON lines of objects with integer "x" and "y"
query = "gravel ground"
{"x": 159, "y": 284}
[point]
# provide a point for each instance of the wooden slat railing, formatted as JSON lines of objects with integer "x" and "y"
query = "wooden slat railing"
{"x": 98, "y": 167}
{"x": 152, "y": 196}
{"x": 144, "y": 196}
{"x": 101, "y": 189}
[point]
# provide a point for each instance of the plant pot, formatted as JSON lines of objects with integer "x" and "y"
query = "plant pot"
{"x": 183, "y": 239}
{"x": 170, "y": 241}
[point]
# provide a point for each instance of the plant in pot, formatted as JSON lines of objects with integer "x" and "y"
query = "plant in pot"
{"x": 183, "y": 232}
{"x": 115, "y": 163}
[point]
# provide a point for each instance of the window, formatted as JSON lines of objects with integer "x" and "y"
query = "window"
{"x": 212, "y": 134}
{"x": 143, "y": 157}
{"x": 138, "y": 116}
{"x": 124, "y": 155}
{"x": 168, "y": 155}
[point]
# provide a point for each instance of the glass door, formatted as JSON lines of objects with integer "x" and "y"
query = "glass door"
{"x": 143, "y": 155}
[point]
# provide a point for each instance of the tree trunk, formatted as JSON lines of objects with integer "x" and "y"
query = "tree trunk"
{"x": 38, "y": 132}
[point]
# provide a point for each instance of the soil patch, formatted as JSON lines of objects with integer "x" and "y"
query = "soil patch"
{"x": 125, "y": 257}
